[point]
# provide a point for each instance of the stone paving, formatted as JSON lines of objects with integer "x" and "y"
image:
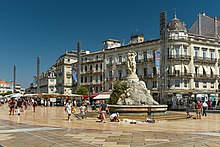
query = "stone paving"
{"x": 48, "y": 127}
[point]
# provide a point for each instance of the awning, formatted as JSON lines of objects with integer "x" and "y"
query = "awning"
{"x": 187, "y": 68}
{"x": 177, "y": 67}
{"x": 17, "y": 95}
{"x": 102, "y": 97}
{"x": 213, "y": 70}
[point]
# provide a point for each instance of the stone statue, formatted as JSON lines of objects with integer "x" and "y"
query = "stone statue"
{"x": 137, "y": 93}
{"x": 131, "y": 62}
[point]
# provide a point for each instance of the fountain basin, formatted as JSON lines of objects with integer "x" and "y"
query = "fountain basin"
{"x": 137, "y": 109}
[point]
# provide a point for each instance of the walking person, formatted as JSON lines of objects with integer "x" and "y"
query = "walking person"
{"x": 34, "y": 105}
{"x": 83, "y": 110}
{"x": 19, "y": 105}
{"x": 204, "y": 107}
{"x": 198, "y": 109}
{"x": 68, "y": 109}
{"x": 11, "y": 106}
{"x": 103, "y": 108}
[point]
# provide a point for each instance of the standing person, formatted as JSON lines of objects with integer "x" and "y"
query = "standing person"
{"x": 198, "y": 109}
{"x": 68, "y": 109}
{"x": 103, "y": 108}
{"x": 19, "y": 104}
{"x": 11, "y": 106}
{"x": 83, "y": 110}
{"x": 25, "y": 104}
{"x": 34, "y": 105}
{"x": 204, "y": 107}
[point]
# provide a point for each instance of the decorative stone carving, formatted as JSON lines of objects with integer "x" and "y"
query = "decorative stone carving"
{"x": 137, "y": 93}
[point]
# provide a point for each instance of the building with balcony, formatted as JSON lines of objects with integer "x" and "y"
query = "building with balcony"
{"x": 63, "y": 65}
{"x": 47, "y": 81}
{"x": 5, "y": 86}
{"x": 92, "y": 71}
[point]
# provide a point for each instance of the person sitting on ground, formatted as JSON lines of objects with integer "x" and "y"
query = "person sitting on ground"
{"x": 114, "y": 117}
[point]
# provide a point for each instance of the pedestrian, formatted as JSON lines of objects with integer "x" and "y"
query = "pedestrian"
{"x": 19, "y": 105}
{"x": 34, "y": 105}
{"x": 103, "y": 109}
{"x": 68, "y": 109}
{"x": 114, "y": 117}
{"x": 198, "y": 109}
{"x": 83, "y": 110}
{"x": 11, "y": 106}
{"x": 204, "y": 107}
{"x": 25, "y": 104}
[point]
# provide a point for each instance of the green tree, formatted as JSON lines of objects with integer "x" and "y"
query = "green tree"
{"x": 82, "y": 90}
{"x": 119, "y": 89}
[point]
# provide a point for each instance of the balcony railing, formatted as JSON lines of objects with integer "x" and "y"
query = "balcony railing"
{"x": 205, "y": 76}
{"x": 205, "y": 60}
{"x": 179, "y": 58}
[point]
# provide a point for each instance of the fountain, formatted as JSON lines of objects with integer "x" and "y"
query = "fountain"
{"x": 137, "y": 99}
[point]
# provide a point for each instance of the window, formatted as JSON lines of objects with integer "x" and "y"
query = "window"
{"x": 136, "y": 71}
{"x": 212, "y": 84}
{"x": 110, "y": 60}
{"x": 154, "y": 84}
{"x": 145, "y": 72}
{"x": 185, "y": 51}
{"x": 68, "y": 60}
{"x": 85, "y": 68}
{"x": 120, "y": 75}
{"x": 85, "y": 79}
{"x": 110, "y": 74}
{"x": 81, "y": 68}
{"x": 110, "y": 86}
{"x": 154, "y": 56}
{"x": 204, "y": 73}
{"x": 96, "y": 67}
{"x": 168, "y": 52}
{"x": 90, "y": 78}
{"x": 100, "y": 78}
{"x": 154, "y": 71}
{"x": 97, "y": 57}
{"x": 90, "y": 67}
{"x": 218, "y": 54}
{"x": 81, "y": 79}
{"x": 145, "y": 56}
{"x": 177, "y": 83}
{"x": 177, "y": 50}
{"x": 197, "y": 84}
{"x": 120, "y": 59}
{"x": 196, "y": 53}
{"x": 196, "y": 71}
{"x": 204, "y": 84}
{"x": 101, "y": 66}
{"x": 168, "y": 83}
{"x": 97, "y": 78}
{"x": 204, "y": 53}
{"x": 185, "y": 83}
{"x": 212, "y": 55}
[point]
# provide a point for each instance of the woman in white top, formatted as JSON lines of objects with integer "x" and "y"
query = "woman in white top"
{"x": 68, "y": 109}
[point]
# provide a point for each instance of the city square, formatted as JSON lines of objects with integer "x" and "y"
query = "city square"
{"x": 49, "y": 127}
{"x": 109, "y": 74}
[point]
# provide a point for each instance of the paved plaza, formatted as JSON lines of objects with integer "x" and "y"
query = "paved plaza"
{"x": 49, "y": 127}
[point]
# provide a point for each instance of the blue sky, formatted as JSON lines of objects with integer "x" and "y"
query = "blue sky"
{"x": 47, "y": 28}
